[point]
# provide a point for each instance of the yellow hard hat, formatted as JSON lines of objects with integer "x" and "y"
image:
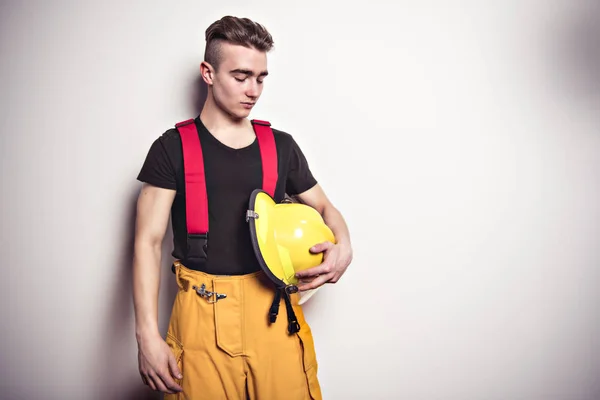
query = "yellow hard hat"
{"x": 282, "y": 235}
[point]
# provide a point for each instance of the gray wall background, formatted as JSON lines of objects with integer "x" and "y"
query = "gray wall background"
{"x": 474, "y": 128}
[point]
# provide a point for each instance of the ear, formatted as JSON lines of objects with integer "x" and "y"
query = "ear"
{"x": 208, "y": 72}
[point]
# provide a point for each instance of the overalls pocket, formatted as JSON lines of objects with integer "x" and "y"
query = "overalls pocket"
{"x": 309, "y": 358}
{"x": 177, "y": 350}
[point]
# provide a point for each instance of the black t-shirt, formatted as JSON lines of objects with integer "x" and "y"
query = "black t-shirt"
{"x": 231, "y": 176}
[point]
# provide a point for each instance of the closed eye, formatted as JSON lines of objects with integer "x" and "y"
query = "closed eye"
{"x": 241, "y": 74}
{"x": 259, "y": 81}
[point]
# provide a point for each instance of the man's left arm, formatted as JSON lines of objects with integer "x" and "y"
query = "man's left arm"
{"x": 336, "y": 257}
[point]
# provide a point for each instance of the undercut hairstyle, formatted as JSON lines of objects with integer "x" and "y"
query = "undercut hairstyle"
{"x": 234, "y": 30}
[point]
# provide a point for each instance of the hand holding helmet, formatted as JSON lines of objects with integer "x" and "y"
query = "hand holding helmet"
{"x": 283, "y": 235}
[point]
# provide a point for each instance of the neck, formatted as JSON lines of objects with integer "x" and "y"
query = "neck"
{"x": 218, "y": 121}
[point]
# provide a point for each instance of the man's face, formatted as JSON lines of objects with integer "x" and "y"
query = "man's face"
{"x": 239, "y": 81}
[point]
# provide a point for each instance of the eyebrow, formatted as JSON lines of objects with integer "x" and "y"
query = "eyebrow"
{"x": 248, "y": 72}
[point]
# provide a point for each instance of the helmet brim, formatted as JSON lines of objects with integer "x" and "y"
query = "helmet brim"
{"x": 262, "y": 234}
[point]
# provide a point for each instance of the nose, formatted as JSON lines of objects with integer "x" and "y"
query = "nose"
{"x": 252, "y": 90}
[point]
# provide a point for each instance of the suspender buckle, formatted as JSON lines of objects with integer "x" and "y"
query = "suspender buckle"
{"x": 197, "y": 245}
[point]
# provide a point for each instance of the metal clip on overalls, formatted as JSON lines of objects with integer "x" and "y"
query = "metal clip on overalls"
{"x": 208, "y": 294}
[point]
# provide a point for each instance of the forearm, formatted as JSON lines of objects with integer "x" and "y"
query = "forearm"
{"x": 334, "y": 219}
{"x": 146, "y": 282}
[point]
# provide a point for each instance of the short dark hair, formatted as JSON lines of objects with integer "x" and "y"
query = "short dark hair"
{"x": 234, "y": 30}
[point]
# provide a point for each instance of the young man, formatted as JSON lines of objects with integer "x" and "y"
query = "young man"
{"x": 221, "y": 345}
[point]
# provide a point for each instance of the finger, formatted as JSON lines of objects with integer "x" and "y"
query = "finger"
{"x": 150, "y": 382}
{"x": 321, "y": 269}
{"x": 144, "y": 380}
{"x": 169, "y": 382}
{"x": 321, "y": 247}
{"x": 174, "y": 368}
{"x": 158, "y": 383}
{"x": 168, "y": 379}
{"x": 315, "y": 283}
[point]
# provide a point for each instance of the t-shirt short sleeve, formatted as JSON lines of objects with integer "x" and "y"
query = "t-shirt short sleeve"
{"x": 300, "y": 177}
{"x": 157, "y": 169}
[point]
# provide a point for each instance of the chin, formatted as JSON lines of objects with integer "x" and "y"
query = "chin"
{"x": 239, "y": 114}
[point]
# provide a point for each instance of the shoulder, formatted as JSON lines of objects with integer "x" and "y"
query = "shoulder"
{"x": 282, "y": 136}
{"x": 286, "y": 144}
{"x": 285, "y": 141}
{"x": 170, "y": 141}
{"x": 166, "y": 147}
{"x": 170, "y": 136}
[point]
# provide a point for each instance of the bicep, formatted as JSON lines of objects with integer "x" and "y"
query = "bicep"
{"x": 153, "y": 210}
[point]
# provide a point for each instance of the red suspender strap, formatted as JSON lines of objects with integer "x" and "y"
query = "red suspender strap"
{"x": 268, "y": 154}
{"x": 196, "y": 199}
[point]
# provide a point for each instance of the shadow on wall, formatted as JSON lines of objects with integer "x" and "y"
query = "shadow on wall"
{"x": 117, "y": 358}
{"x": 577, "y": 53}
{"x": 117, "y": 352}
{"x": 199, "y": 94}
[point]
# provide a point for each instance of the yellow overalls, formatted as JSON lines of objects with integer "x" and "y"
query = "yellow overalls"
{"x": 225, "y": 346}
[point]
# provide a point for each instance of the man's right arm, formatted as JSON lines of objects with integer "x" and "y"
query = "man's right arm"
{"x": 153, "y": 210}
